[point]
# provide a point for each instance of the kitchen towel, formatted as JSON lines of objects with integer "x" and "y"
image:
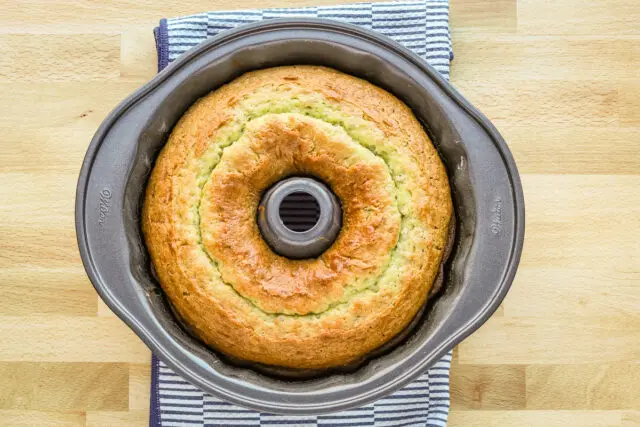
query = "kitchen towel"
{"x": 423, "y": 27}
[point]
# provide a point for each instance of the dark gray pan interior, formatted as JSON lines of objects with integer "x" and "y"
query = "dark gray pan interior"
{"x": 486, "y": 190}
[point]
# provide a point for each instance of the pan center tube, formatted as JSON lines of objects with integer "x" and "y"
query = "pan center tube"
{"x": 299, "y": 217}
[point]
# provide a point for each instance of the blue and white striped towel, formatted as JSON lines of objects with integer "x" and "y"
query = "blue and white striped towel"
{"x": 422, "y": 26}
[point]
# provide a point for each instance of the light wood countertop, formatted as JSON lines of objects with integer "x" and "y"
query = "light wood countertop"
{"x": 560, "y": 79}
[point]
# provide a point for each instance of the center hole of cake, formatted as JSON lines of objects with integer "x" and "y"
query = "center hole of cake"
{"x": 299, "y": 211}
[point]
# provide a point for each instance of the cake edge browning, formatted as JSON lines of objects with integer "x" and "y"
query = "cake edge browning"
{"x": 216, "y": 323}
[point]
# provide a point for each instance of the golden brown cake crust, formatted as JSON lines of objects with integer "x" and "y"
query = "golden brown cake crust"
{"x": 199, "y": 217}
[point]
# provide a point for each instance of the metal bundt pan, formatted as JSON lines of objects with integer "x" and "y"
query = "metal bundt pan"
{"x": 486, "y": 189}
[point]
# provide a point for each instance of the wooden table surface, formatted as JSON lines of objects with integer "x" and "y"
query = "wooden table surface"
{"x": 560, "y": 79}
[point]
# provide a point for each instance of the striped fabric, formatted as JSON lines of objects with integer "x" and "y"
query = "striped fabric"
{"x": 422, "y": 26}
{"x": 425, "y": 403}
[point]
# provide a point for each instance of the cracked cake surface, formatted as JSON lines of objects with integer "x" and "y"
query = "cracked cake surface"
{"x": 228, "y": 286}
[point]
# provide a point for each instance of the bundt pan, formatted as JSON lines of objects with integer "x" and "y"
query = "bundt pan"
{"x": 487, "y": 196}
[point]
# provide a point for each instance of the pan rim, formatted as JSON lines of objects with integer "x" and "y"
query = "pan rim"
{"x": 408, "y": 374}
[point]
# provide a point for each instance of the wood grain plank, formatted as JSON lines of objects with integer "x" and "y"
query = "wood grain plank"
{"x": 582, "y": 197}
{"x": 611, "y": 386}
{"x": 55, "y": 247}
{"x": 25, "y": 300}
{"x": 64, "y": 386}
{"x": 54, "y": 279}
{"x": 69, "y": 339}
{"x": 138, "y": 57}
{"x": 581, "y": 292}
{"x": 22, "y": 418}
{"x": 630, "y": 101}
{"x": 631, "y": 419}
{"x": 574, "y": 150}
{"x": 120, "y": 419}
{"x": 572, "y": 17}
{"x": 483, "y": 16}
{"x": 32, "y": 57}
{"x": 582, "y": 221}
{"x": 488, "y": 387}
{"x": 550, "y": 102}
{"x": 540, "y": 340}
{"x": 521, "y": 58}
{"x": 534, "y": 419}
{"x": 41, "y": 233}
{"x": 139, "y": 386}
{"x": 104, "y": 310}
{"x": 95, "y": 16}
{"x": 56, "y": 149}
{"x": 73, "y": 106}
{"x": 37, "y": 199}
